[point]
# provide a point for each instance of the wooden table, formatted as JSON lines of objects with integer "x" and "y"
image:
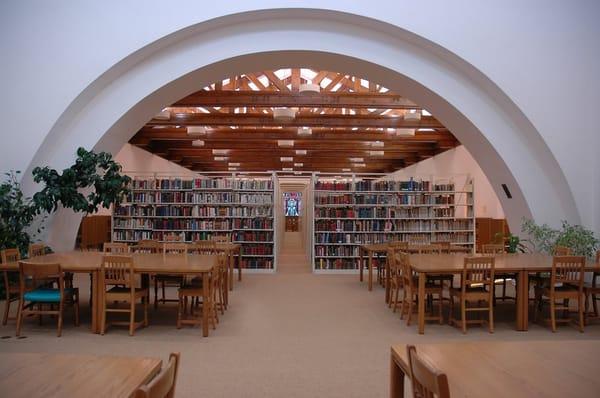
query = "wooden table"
{"x": 230, "y": 250}
{"x": 144, "y": 263}
{"x": 59, "y": 375}
{"x": 508, "y": 369}
{"x": 521, "y": 264}
{"x": 377, "y": 249}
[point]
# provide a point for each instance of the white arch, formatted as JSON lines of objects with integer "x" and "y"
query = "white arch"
{"x": 505, "y": 144}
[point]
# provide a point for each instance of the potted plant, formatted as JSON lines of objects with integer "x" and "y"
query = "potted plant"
{"x": 580, "y": 240}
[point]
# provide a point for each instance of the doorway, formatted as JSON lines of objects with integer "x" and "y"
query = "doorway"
{"x": 293, "y": 250}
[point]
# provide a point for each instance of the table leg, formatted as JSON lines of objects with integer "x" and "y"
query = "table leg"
{"x": 387, "y": 281}
{"x": 396, "y": 380}
{"x": 226, "y": 283}
{"x": 361, "y": 264}
{"x": 206, "y": 302}
{"x": 370, "y": 271}
{"x": 522, "y": 321}
{"x": 421, "y": 302}
{"x": 97, "y": 300}
{"x": 239, "y": 263}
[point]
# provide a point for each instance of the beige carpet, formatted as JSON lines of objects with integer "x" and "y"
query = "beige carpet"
{"x": 291, "y": 334}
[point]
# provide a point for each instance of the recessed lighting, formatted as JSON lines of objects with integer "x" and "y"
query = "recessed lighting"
{"x": 197, "y": 143}
{"x": 376, "y": 153}
{"x": 304, "y": 131}
{"x": 220, "y": 151}
{"x": 298, "y": 164}
{"x": 165, "y": 114}
{"x": 354, "y": 128}
{"x": 300, "y": 151}
{"x": 360, "y": 165}
{"x": 297, "y": 173}
{"x": 196, "y": 130}
{"x": 405, "y": 132}
{"x": 345, "y": 169}
{"x": 231, "y": 164}
{"x": 354, "y": 160}
{"x": 286, "y": 159}
{"x": 412, "y": 115}
{"x": 287, "y": 169}
{"x": 284, "y": 114}
{"x": 377, "y": 144}
{"x": 232, "y": 168}
{"x": 285, "y": 143}
{"x": 220, "y": 158}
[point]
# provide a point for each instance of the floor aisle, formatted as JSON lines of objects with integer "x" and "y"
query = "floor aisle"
{"x": 290, "y": 334}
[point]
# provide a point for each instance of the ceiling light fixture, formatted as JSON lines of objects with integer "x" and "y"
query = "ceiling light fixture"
{"x": 165, "y": 114}
{"x": 287, "y": 169}
{"x": 220, "y": 151}
{"x": 300, "y": 151}
{"x": 232, "y": 168}
{"x": 220, "y": 158}
{"x": 286, "y": 159}
{"x": 196, "y": 130}
{"x": 357, "y": 160}
{"x": 310, "y": 87}
{"x": 304, "y": 131}
{"x": 284, "y": 114}
{"x": 234, "y": 164}
{"x": 298, "y": 164}
{"x": 377, "y": 144}
{"x": 285, "y": 143}
{"x": 412, "y": 115}
{"x": 405, "y": 132}
{"x": 345, "y": 169}
{"x": 197, "y": 143}
{"x": 376, "y": 153}
{"x": 360, "y": 165}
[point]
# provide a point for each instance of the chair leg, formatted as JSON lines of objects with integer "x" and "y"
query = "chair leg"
{"x": 580, "y": 309}
{"x": 410, "y": 309}
{"x": 103, "y": 318}
{"x": 155, "y": 293}
{"x": 132, "y": 317}
{"x": 552, "y": 315}
{"x": 396, "y": 298}
{"x": 60, "y": 318}
{"x": 76, "y": 308}
{"x": 164, "y": 296}
{"x": 179, "y": 311}
{"x": 403, "y": 303}
{"x": 491, "y": 320}
{"x": 595, "y": 304}
{"x": 451, "y": 314}
{"x": 19, "y": 318}
{"x": 145, "y": 302}
{"x": 463, "y": 315}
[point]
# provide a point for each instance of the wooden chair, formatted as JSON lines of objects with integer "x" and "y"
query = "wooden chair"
{"x": 119, "y": 271}
{"x": 503, "y": 279}
{"x": 561, "y": 251}
{"x": 163, "y": 384}
{"x": 591, "y": 291}
{"x": 410, "y": 292}
{"x": 566, "y": 283}
{"x": 34, "y": 282}
{"x": 427, "y": 381}
{"x": 115, "y": 248}
{"x": 165, "y": 280}
{"x": 221, "y": 239}
{"x": 147, "y": 246}
{"x": 36, "y": 249}
{"x": 395, "y": 275}
{"x": 444, "y": 246}
{"x": 11, "y": 282}
{"x": 191, "y": 293}
{"x": 203, "y": 247}
{"x": 476, "y": 284}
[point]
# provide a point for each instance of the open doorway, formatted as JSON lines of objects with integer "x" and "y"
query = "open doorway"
{"x": 294, "y": 232}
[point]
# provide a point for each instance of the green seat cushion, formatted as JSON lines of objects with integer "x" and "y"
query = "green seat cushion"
{"x": 45, "y": 295}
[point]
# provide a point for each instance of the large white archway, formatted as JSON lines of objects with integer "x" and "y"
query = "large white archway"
{"x": 506, "y": 145}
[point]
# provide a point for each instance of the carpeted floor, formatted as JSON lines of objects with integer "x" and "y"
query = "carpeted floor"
{"x": 291, "y": 334}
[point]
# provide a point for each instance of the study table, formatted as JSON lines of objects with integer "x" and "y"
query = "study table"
{"x": 521, "y": 264}
{"x": 32, "y": 375}
{"x": 144, "y": 263}
{"x": 521, "y": 369}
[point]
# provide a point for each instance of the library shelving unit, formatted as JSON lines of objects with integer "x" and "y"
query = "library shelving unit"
{"x": 199, "y": 207}
{"x": 355, "y": 209}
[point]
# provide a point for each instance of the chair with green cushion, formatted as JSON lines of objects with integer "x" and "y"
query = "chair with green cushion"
{"x": 35, "y": 291}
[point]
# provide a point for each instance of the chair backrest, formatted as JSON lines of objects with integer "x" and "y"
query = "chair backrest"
{"x": 172, "y": 238}
{"x": 430, "y": 249}
{"x": 163, "y": 385}
{"x": 478, "y": 270}
{"x": 427, "y": 380}
{"x": 492, "y": 249}
{"x": 118, "y": 270}
{"x": 415, "y": 239}
{"x": 175, "y": 248}
{"x": 221, "y": 238}
{"x": 561, "y": 251}
{"x": 115, "y": 248}
{"x": 36, "y": 249}
{"x": 32, "y": 275}
{"x": 568, "y": 269}
{"x": 204, "y": 247}
{"x": 444, "y": 246}
{"x": 398, "y": 244}
{"x": 404, "y": 267}
{"x": 147, "y": 246}
{"x": 10, "y": 255}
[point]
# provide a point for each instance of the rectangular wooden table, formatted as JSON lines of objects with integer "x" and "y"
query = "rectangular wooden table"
{"x": 144, "y": 263}
{"x": 508, "y": 369}
{"x": 60, "y": 375}
{"x": 521, "y": 264}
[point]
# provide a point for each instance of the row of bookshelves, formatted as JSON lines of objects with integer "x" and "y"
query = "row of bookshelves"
{"x": 201, "y": 183}
{"x": 385, "y": 185}
{"x": 199, "y": 198}
{"x": 385, "y": 212}
{"x": 192, "y": 211}
{"x": 378, "y": 225}
{"x": 400, "y": 200}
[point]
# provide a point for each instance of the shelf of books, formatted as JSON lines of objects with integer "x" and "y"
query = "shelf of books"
{"x": 201, "y": 207}
{"x": 353, "y": 210}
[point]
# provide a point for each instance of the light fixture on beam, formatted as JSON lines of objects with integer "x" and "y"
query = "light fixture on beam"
{"x": 304, "y": 131}
{"x": 310, "y": 87}
{"x": 284, "y": 114}
{"x": 196, "y": 130}
{"x": 412, "y": 115}
{"x": 165, "y": 114}
{"x": 301, "y": 152}
{"x": 405, "y": 132}
{"x": 360, "y": 165}
{"x": 377, "y": 144}
{"x": 287, "y": 169}
{"x": 234, "y": 164}
{"x": 232, "y": 168}
{"x": 297, "y": 173}
{"x": 376, "y": 153}
{"x": 220, "y": 158}
{"x": 220, "y": 151}
{"x": 286, "y": 159}
{"x": 285, "y": 143}
{"x": 197, "y": 143}
{"x": 345, "y": 170}
{"x": 357, "y": 160}
{"x": 298, "y": 164}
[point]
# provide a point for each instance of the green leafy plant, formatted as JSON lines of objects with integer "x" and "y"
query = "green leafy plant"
{"x": 513, "y": 243}
{"x": 580, "y": 240}
{"x": 95, "y": 179}
{"x": 17, "y": 212}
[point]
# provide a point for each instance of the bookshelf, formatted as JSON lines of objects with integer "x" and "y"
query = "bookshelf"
{"x": 195, "y": 208}
{"x": 353, "y": 210}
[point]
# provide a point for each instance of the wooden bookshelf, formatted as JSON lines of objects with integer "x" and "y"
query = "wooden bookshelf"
{"x": 189, "y": 209}
{"x": 356, "y": 210}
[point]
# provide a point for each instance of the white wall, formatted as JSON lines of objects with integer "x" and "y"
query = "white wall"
{"x": 458, "y": 162}
{"x": 542, "y": 55}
